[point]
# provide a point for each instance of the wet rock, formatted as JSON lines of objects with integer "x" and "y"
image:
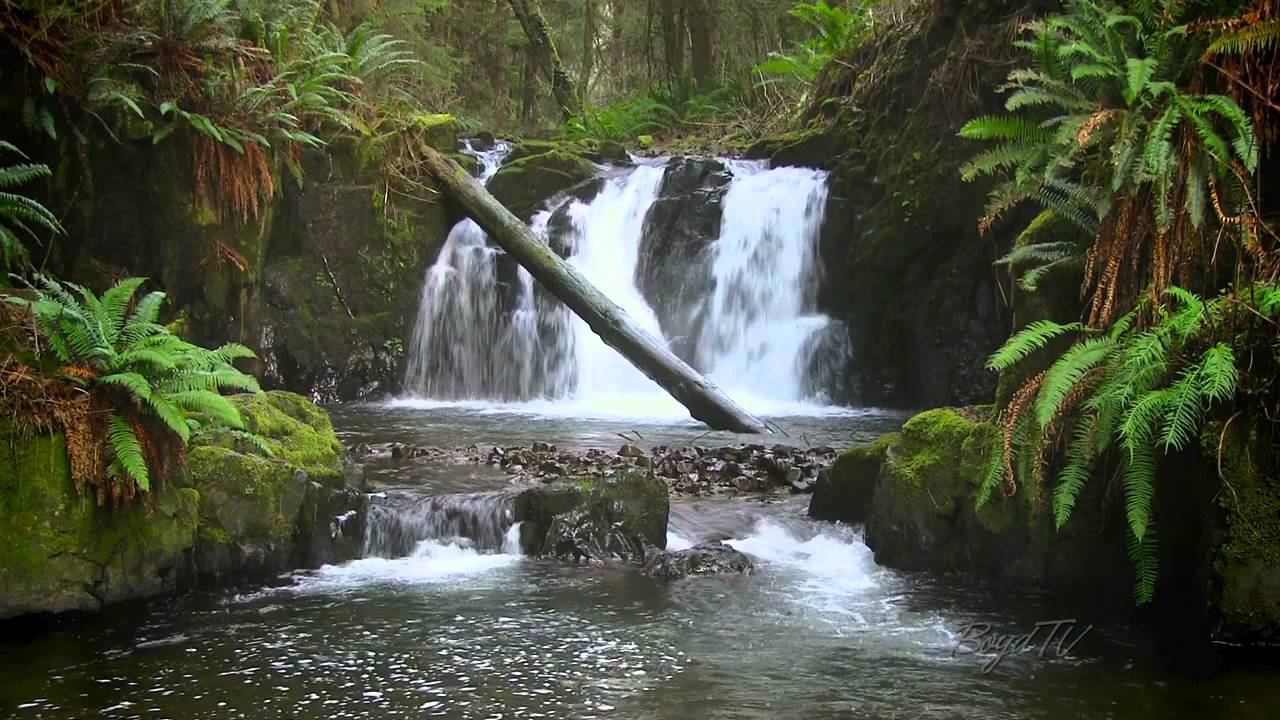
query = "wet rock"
{"x": 681, "y": 227}
{"x": 595, "y": 521}
{"x": 710, "y": 558}
{"x": 527, "y": 181}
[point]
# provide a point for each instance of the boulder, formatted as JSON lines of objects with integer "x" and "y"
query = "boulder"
{"x": 261, "y": 515}
{"x": 232, "y": 514}
{"x": 595, "y": 521}
{"x": 710, "y": 558}
{"x": 681, "y": 227}
{"x": 530, "y": 178}
{"x": 843, "y": 490}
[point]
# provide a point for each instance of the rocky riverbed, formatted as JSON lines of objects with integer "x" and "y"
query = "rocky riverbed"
{"x": 688, "y": 471}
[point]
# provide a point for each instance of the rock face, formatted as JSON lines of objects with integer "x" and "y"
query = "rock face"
{"x": 59, "y": 551}
{"x": 710, "y": 558}
{"x": 595, "y": 521}
{"x": 674, "y": 271}
{"x": 231, "y": 516}
{"x": 281, "y": 282}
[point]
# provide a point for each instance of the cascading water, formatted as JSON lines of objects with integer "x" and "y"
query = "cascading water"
{"x": 486, "y": 333}
{"x": 761, "y": 317}
{"x": 400, "y": 522}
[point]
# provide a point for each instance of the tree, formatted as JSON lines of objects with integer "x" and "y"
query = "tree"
{"x": 544, "y": 53}
{"x": 673, "y": 35}
{"x": 701, "y": 45}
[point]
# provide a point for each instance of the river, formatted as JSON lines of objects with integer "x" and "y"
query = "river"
{"x": 817, "y": 632}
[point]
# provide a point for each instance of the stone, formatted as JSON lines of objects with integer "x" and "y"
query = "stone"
{"x": 631, "y": 451}
{"x": 710, "y": 558}
{"x": 679, "y": 232}
{"x": 595, "y": 521}
{"x": 230, "y": 515}
{"x": 527, "y": 181}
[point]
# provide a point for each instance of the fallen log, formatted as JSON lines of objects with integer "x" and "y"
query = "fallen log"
{"x": 705, "y": 401}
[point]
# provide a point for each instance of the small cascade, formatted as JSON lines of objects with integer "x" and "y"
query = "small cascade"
{"x": 605, "y": 236}
{"x": 401, "y": 523}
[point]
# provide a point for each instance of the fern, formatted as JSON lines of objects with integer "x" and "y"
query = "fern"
{"x": 140, "y": 365}
{"x": 1132, "y": 393}
{"x": 1026, "y": 341}
{"x": 126, "y": 449}
{"x": 19, "y": 213}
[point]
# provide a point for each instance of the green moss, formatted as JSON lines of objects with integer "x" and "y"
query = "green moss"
{"x": 56, "y": 546}
{"x": 527, "y": 183}
{"x": 1247, "y": 563}
{"x": 299, "y": 433}
{"x": 845, "y": 491}
{"x": 252, "y": 498}
{"x": 440, "y": 131}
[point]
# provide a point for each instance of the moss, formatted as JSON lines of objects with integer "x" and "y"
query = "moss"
{"x": 60, "y": 551}
{"x": 299, "y": 433}
{"x": 1247, "y": 563}
{"x": 526, "y": 184}
{"x": 844, "y": 492}
{"x": 249, "y": 498}
{"x": 440, "y": 131}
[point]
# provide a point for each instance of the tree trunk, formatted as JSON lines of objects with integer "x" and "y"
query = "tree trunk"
{"x": 673, "y": 35}
{"x": 701, "y": 50}
{"x": 588, "y": 45}
{"x": 544, "y": 51}
{"x": 704, "y": 400}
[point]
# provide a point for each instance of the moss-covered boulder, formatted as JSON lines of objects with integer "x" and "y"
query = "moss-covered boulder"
{"x": 596, "y": 520}
{"x": 537, "y": 171}
{"x": 1245, "y": 580}
{"x": 438, "y": 130}
{"x": 231, "y": 515}
{"x": 261, "y": 515}
{"x": 843, "y": 491}
{"x": 923, "y": 513}
{"x": 60, "y": 551}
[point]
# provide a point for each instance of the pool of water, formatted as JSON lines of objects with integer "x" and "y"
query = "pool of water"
{"x": 818, "y": 631}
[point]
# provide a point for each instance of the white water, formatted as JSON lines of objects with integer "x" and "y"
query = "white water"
{"x": 536, "y": 357}
{"x": 761, "y": 316}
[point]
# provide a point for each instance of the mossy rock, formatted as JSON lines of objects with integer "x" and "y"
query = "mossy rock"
{"x": 923, "y": 512}
{"x": 1247, "y": 562}
{"x": 440, "y": 131}
{"x": 843, "y": 492}
{"x": 299, "y": 433}
{"x": 60, "y": 551}
{"x": 526, "y": 184}
{"x": 810, "y": 147}
{"x": 595, "y": 520}
{"x": 259, "y": 514}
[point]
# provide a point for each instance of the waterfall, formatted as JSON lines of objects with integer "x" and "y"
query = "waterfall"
{"x": 486, "y": 332}
{"x": 761, "y": 320}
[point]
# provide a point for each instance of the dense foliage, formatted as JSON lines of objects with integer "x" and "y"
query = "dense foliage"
{"x": 135, "y": 369}
{"x": 1112, "y": 129}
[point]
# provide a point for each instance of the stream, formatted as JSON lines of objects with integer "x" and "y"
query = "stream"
{"x": 443, "y": 618}
{"x": 461, "y": 627}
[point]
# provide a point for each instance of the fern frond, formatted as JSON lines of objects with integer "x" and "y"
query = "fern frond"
{"x": 1026, "y": 341}
{"x": 127, "y": 450}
